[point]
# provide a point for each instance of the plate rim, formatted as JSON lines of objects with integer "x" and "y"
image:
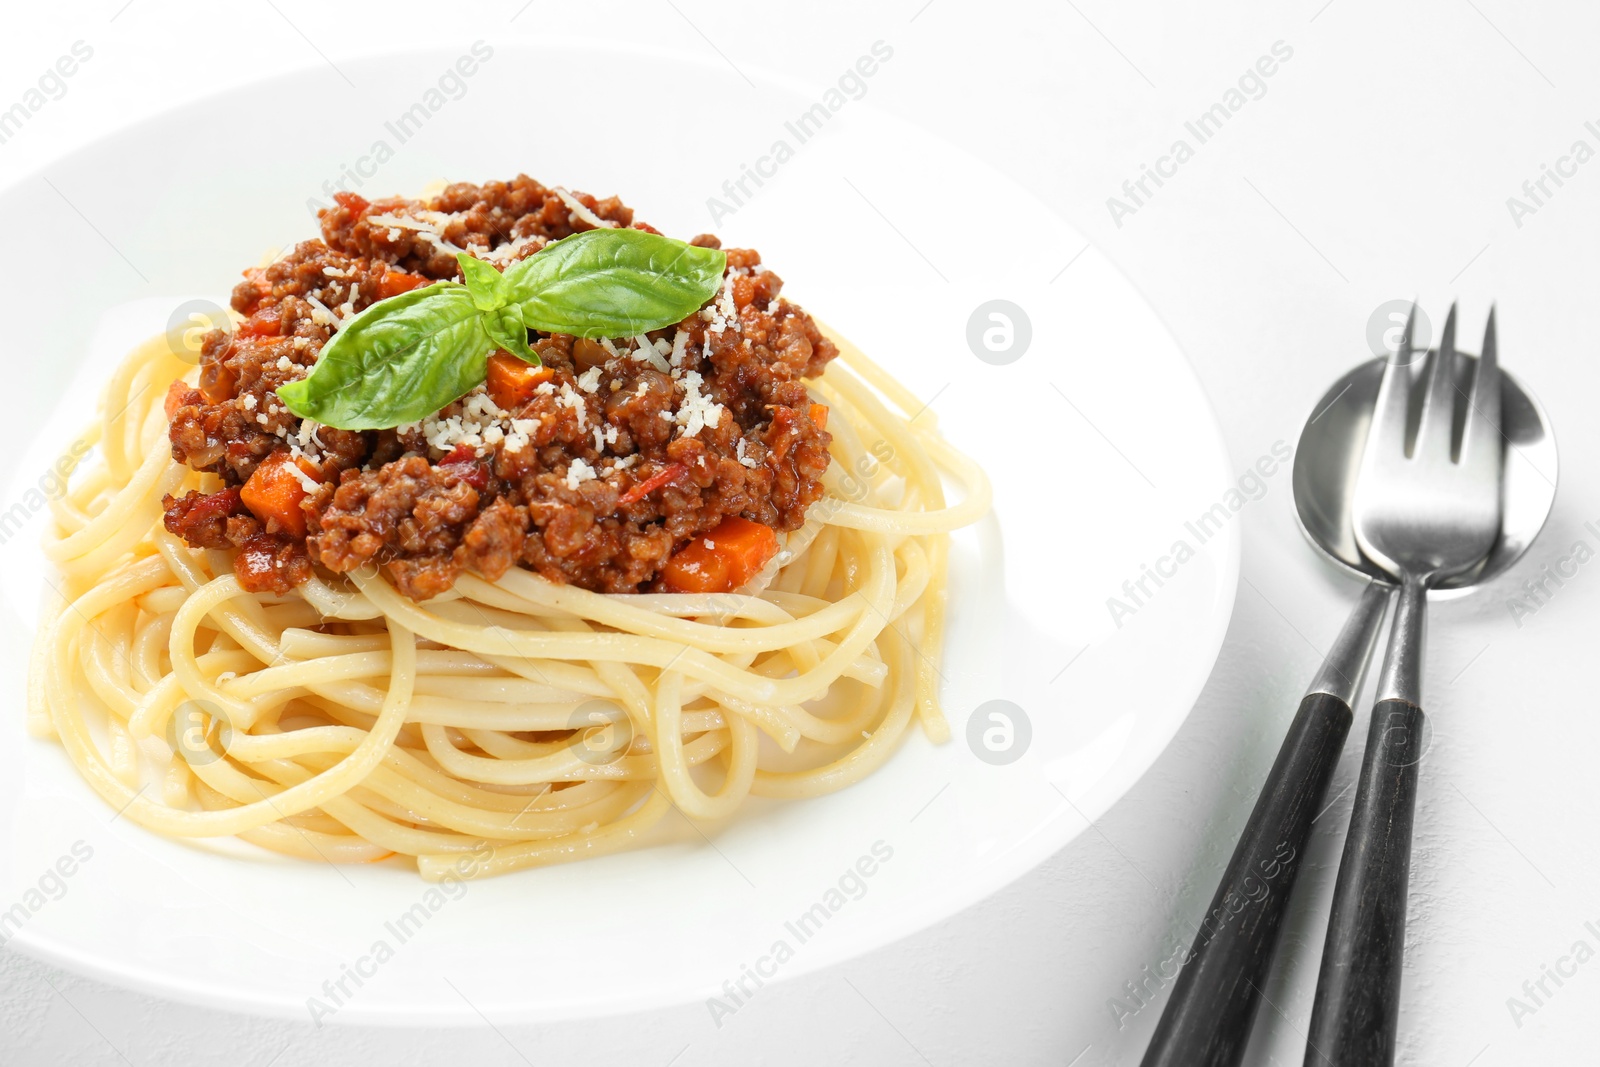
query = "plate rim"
{"x": 1012, "y": 865}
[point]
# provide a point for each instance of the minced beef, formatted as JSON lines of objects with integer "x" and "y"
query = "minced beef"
{"x": 599, "y": 491}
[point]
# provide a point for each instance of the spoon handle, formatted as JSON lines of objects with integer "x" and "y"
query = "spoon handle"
{"x": 1207, "y": 1020}
{"x": 1214, "y": 1000}
{"x": 1357, "y": 1005}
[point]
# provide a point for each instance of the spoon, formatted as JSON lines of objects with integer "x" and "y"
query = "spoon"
{"x": 1207, "y": 1020}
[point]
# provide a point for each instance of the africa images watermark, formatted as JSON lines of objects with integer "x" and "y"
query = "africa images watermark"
{"x": 1141, "y": 991}
{"x": 1539, "y": 590}
{"x": 1538, "y": 191}
{"x": 51, "y": 885}
{"x": 850, "y": 85}
{"x": 452, "y": 885}
{"x": 850, "y": 885}
{"x": 1252, "y": 85}
{"x": 1251, "y": 486}
{"x": 451, "y": 84}
{"x": 1536, "y": 992}
{"x": 50, "y": 485}
{"x": 51, "y": 85}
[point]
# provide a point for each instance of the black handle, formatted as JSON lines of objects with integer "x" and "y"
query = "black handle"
{"x": 1358, "y": 989}
{"x": 1207, "y": 1021}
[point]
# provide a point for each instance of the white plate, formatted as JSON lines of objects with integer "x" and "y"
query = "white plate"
{"x": 1099, "y": 440}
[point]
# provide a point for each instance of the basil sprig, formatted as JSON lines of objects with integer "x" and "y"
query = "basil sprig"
{"x": 406, "y": 357}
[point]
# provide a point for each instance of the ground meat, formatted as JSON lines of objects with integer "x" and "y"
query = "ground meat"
{"x": 409, "y": 516}
{"x": 602, "y": 483}
{"x": 201, "y": 519}
{"x": 265, "y": 562}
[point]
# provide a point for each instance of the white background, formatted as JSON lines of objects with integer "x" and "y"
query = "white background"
{"x": 1376, "y": 166}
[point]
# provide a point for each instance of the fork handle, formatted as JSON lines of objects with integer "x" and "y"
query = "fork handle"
{"x": 1207, "y": 1021}
{"x": 1353, "y": 1018}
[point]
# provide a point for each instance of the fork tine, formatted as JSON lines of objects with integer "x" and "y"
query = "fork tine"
{"x": 1438, "y": 398}
{"x": 1480, "y": 440}
{"x": 1387, "y": 434}
{"x": 1402, "y": 353}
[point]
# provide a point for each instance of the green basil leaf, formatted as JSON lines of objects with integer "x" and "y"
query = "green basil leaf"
{"x": 486, "y": 284}
{"x": 504, "y": 327}
{"x": 613, "y": 283}
{"x": 399, "y": 361}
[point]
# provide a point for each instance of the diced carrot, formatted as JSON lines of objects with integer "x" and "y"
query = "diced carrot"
{"x": 511, "y": 381}
{"x": 819, "y": 415}
{"x": 351, "y": 202}
{"x": 273, "y": 493}
{"x": 662, "y": 477}
{"x": 177, "y": 396}
{"x": 396, "y": 282}
{"x": 724, "y": 559}
{"x": 264, "y": 323}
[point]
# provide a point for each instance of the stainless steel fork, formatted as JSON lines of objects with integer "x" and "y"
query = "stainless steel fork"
{"x": 1427, "y": 507}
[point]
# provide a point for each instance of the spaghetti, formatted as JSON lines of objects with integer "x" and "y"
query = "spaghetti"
{"x": 344, "y": 721}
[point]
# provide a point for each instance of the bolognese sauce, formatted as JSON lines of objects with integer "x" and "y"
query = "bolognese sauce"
{"x": 597, "y": 469}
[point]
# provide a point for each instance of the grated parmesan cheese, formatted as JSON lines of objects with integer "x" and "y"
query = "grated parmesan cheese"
{"x": 308, "y": 483}
{"x": 575, "y": 206}
{"x": 567, "y": 398}
{"x": 589, "y": 380}
{"x": 739, "y": 454}
{"x": 481, "y": 424}
{"x": 320, "y": 315}
{"x": 509, "y": 251}
{"x": 647, "y": 352}
{"x": 578, "y": 473}
{"x": 697, "y": 410}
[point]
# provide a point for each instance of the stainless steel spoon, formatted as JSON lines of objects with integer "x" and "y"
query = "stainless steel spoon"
{"x": 1426, "y": 509}
{"x": 1207, "y": 1020}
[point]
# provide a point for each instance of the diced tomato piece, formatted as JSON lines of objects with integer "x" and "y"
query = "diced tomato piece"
{"x": 274, "y": 492}
{"x": 511, "y": 381}
{"x": 656, "y": 481}
{"x": 396, "y": 282}
{"x": 356, "y": 205}
{"x": 467, "y": 467}
{"x": 721, "y": 561}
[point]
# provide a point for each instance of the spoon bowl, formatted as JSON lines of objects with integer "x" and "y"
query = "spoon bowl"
{"x": 1329, "y": 455}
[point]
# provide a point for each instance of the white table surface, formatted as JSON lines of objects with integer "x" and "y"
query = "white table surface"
{"x": 1375, "y": 166}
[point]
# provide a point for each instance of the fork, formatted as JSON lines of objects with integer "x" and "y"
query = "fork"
{"x": 1426, "y": 508}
